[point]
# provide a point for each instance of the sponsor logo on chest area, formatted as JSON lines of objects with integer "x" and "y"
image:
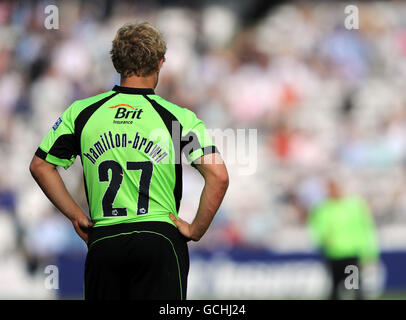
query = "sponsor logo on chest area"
{"x": 126, "y": 114}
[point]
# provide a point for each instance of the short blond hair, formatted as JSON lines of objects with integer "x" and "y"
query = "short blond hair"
{"x": 137, "y": 50}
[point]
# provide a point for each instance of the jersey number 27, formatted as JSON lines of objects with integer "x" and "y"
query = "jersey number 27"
{"x": 146, "y": 168}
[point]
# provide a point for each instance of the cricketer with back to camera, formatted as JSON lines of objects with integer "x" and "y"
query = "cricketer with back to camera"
{"x": 130, "y": 142}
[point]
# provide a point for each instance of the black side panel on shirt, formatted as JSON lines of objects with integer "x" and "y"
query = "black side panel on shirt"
{"x": 170, "y": 120}
{"x": 41, "y": 153}
{"x": 64, "y": 147}
{"x": 190, "y": 143}
{"x": 86, "y": 190}
{"x": 85, "y": 115}
{"x": 210, "y": 150}
{"x": 80, "y": 123}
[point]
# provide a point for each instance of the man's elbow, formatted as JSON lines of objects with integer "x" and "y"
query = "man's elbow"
{"x": 34, "y": 168}
{"x": 222, "y": 179}
{"x": 38, "y": 165}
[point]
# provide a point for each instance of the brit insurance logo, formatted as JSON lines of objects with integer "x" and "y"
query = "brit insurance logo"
{"x": 126, "y": 114}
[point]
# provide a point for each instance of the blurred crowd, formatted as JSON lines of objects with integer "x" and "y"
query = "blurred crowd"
{"x": 326, "y": 102}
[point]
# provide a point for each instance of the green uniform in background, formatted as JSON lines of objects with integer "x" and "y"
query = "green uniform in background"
{"x": 344, "y": 228}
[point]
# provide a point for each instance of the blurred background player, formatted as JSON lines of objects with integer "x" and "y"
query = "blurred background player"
{"x": 344, "y": 231}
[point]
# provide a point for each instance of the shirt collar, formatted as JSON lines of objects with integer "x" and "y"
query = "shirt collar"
{"x": 131, "y": 90}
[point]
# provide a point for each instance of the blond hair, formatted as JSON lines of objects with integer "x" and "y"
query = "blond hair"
{"x": 137, "y": 50}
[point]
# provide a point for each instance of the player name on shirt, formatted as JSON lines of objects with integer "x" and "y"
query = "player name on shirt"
{"x": 109, "y": 140}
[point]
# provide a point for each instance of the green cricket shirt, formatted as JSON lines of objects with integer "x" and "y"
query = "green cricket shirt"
{"x": 130, "y": 142}
{"x": 344, "y": 228}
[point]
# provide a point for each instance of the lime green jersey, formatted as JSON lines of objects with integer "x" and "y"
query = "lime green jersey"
{"x": 344, "y": 228}
{"x": 130, "y": 142}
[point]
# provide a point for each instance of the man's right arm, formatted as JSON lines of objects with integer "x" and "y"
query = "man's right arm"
{"x": 51, "y": 183}
{"x": 215, "y": 175}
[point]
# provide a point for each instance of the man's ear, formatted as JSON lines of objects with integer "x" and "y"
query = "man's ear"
{"x": 160, "y": 63}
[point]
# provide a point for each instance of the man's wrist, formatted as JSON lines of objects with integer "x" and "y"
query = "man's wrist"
{"x": 195, "y": 233}
{"x": 76, "y": 216}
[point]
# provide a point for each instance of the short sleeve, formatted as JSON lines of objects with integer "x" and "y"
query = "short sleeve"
{"x": 59, "y": 146}
{"x": 196, "y": 141}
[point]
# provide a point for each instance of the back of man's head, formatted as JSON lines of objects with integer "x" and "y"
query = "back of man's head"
{"x": 137, "y": 50}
